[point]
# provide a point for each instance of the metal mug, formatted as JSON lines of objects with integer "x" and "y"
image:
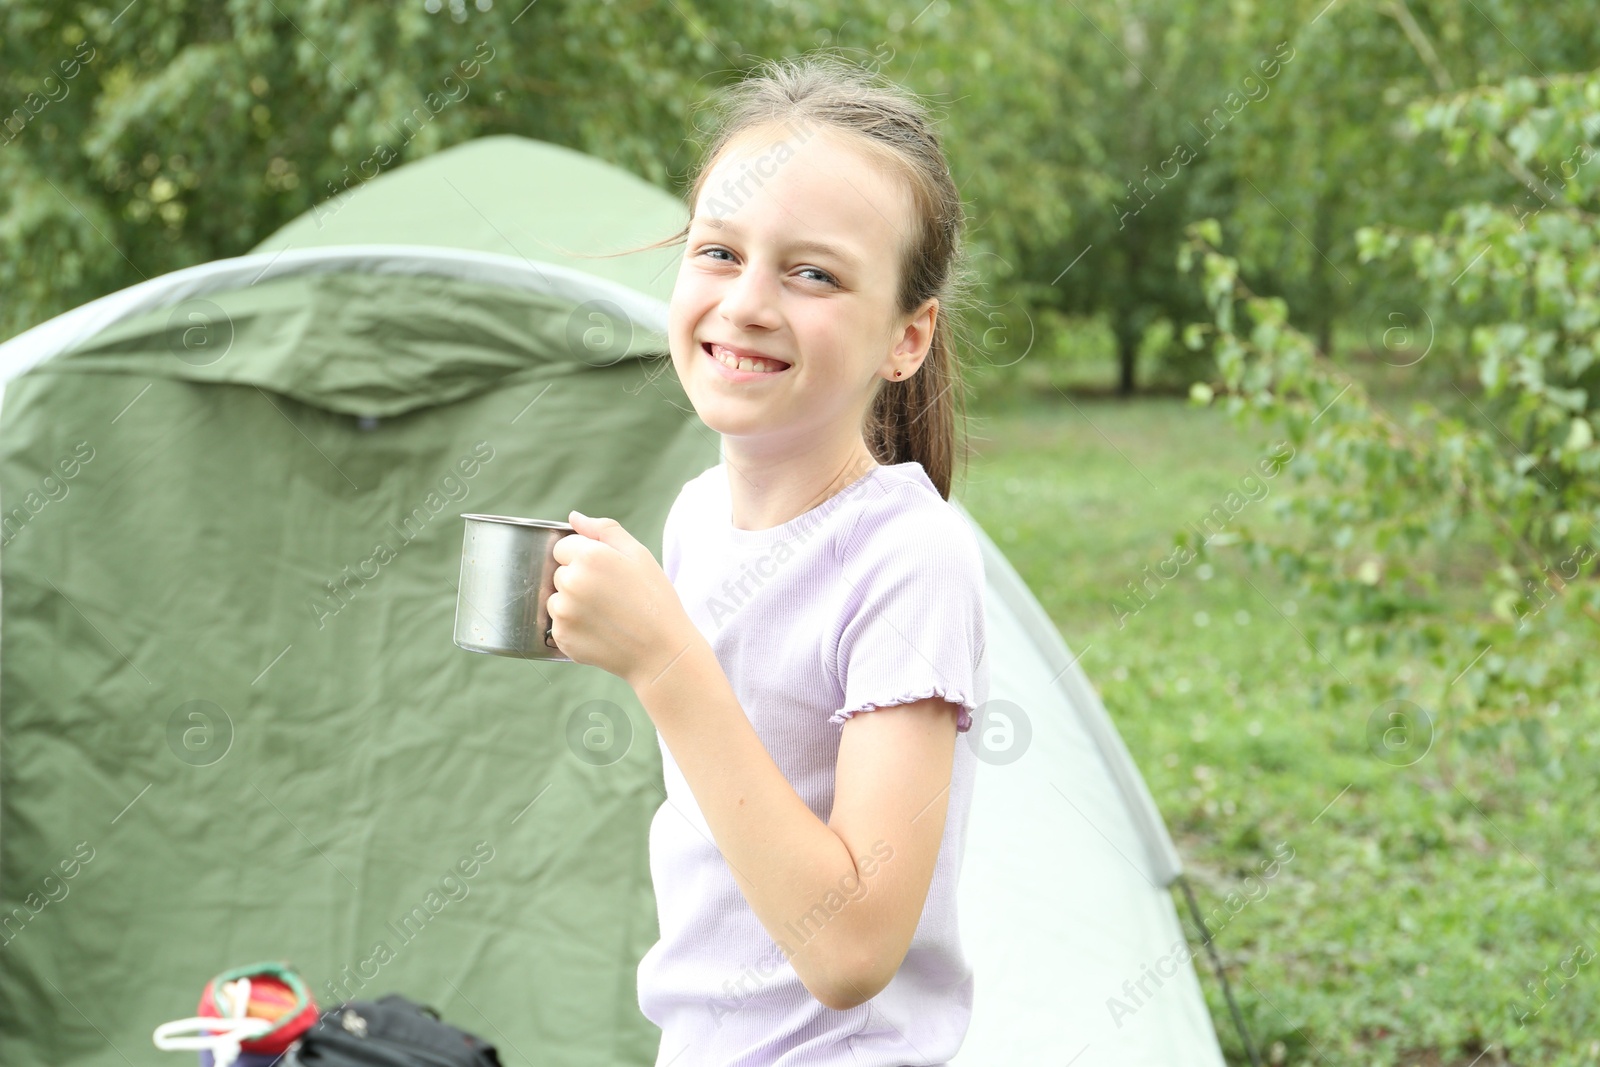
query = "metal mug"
{"x": 508, "y": 571}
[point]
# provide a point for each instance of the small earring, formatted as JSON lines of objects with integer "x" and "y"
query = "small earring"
{"x": 897, "y": 374}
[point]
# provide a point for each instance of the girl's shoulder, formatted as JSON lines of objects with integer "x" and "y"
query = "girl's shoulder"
{"x": 902, "y": 515}
{"x": 697, "y": 490}
{"x": 894, "y": 512}
{"x": 700, "y": 481}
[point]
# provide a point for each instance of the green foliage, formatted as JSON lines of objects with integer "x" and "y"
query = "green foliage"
{"x": 1526, "y": 275}
{"x": 1390, "y": 494}
{"x": 1083, "y": 136}
{"x": 188, "y": 131}
{"x": 1283, "y": 121}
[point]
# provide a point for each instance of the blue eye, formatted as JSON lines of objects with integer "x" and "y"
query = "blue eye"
{"x": 826, "y": 277}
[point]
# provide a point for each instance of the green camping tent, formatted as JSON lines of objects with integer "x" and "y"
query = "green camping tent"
{"x": 234, "y": 726}
{"x": 228, "y": 670}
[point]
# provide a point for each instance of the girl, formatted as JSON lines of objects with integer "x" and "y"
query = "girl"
{"x": 806, "y": 858}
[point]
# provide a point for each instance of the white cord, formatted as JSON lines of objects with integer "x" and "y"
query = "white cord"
{"x": 220, "y": 1037}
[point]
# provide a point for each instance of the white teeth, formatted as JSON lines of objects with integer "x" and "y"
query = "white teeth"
{"x": 744, "y": 363}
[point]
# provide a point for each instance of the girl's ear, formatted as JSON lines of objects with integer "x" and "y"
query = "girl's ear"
{"x": 917, "y": 335}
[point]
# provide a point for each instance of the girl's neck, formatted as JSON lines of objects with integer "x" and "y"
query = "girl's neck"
{"x": 767, "y": 492}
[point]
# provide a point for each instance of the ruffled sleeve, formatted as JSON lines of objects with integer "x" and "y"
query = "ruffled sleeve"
{"x": 913, "y": 625}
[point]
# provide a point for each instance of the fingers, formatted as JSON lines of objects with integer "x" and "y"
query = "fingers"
{"x": 607, "y": 531}
{"x": 569, "y": 547}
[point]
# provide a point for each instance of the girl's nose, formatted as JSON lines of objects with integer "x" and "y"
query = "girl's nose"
{"x": 751, "y": 300}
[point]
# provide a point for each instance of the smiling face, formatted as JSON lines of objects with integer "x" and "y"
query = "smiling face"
{"x": 794, "y": 255}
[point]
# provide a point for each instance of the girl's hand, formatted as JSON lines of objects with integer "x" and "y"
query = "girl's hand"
{"x": 614, "y": 607}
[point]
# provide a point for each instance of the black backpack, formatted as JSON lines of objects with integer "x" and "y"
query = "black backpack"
{"x": 388, "y": 1032}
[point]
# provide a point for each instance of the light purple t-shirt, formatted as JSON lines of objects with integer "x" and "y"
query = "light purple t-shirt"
{"x": 872, "y": 598}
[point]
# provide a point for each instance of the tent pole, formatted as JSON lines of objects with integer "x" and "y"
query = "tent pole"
{"x": 1216, "y": 964}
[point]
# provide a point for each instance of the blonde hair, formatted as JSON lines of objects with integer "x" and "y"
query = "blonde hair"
{"x": 917, "y": 418}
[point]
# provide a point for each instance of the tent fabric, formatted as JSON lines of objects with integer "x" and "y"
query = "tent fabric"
{"x": 1063, "y": 895}
{"x": 511, "y": 196}
{"x": 236, "y": 564}
{"x": 364, "y": 344}
{"x": 183, "y": 296}
{"x": 1151, "y": 845}
{"x": 230, "y": 705}
{"x": 226, "y": 664}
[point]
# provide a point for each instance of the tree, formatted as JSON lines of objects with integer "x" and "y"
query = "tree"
{"x": 166, "y": 133}
{"x": 1394, "y": 492}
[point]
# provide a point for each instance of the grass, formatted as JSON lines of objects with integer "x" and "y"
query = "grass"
{"x": 1435, "y": 897}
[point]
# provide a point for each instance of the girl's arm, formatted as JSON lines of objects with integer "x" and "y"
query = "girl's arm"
{"x": 842, "y": 898}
